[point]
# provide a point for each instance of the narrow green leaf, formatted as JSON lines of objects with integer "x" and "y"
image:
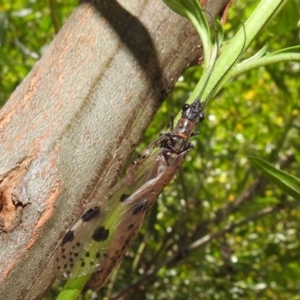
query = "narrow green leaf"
{"x": 224, "y": 69}
{"x": 192, "y": 10}
{"x": 73, "y": 288}
{"x": 293, "y": 49}
{"x": 177, "y": 7}
{"x": 286, "y": 182}
{"x": 256, "y": 56}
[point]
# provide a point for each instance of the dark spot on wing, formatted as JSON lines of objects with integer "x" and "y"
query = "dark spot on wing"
{"x": 130, "y": 226}
{"x": 98, "y": 254}
{"x": 87, "y": 254}
{"x": 141, "y": 156}
{"x": 124, "y": 197}
{"x": 69, "y": 237}
{"x": 83, "y": 264}
{"x": 92, "y": 213}
{"x": 100, "y": 234}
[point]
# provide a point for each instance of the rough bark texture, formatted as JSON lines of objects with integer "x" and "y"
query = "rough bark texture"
{"x": 69, "y": 127}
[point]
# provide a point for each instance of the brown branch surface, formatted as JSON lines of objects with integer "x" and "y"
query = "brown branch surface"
{"x": 71, "y": 124}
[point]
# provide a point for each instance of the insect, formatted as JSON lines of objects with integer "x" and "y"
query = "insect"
{"x": 99, "y": 240}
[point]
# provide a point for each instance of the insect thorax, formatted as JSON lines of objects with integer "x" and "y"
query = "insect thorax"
{"x": 172, "y": 146}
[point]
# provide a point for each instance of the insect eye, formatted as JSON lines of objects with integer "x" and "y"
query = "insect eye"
{"x": 185, "y": 107}
{"x": 201, "y": 117}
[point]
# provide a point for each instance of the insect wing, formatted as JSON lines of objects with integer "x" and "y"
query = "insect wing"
{"x": 124, "y": 232}
{"x": 132, "y": 213}
{"x": 85, "y": 246}
{"x": 74, "y": 257}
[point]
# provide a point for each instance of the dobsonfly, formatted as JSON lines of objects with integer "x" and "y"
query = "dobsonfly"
{"x": 99, "y": 240}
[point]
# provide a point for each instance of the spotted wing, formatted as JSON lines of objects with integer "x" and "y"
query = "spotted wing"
{"x": 86, "y": 244}
{"x": 131, "y": 215}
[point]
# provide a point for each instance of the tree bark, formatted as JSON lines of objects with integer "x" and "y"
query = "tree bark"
{"x": 70, "y": 126}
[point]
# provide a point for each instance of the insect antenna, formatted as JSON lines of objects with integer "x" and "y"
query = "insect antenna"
{"x": 225, "y": 73}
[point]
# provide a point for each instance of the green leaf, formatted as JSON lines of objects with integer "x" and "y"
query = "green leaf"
{"x": 73, "y": 288}
{"x": 175, "y": 6}
{"x": 286, "y": 182}
{"x": 192, "y": 10}
{"x": 224, "y": 68}
{"x": 293, "y": 49}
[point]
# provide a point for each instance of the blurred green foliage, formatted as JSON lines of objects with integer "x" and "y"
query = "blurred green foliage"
{"x": 26, "y": 29}
{"x": 252, "y": 228}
